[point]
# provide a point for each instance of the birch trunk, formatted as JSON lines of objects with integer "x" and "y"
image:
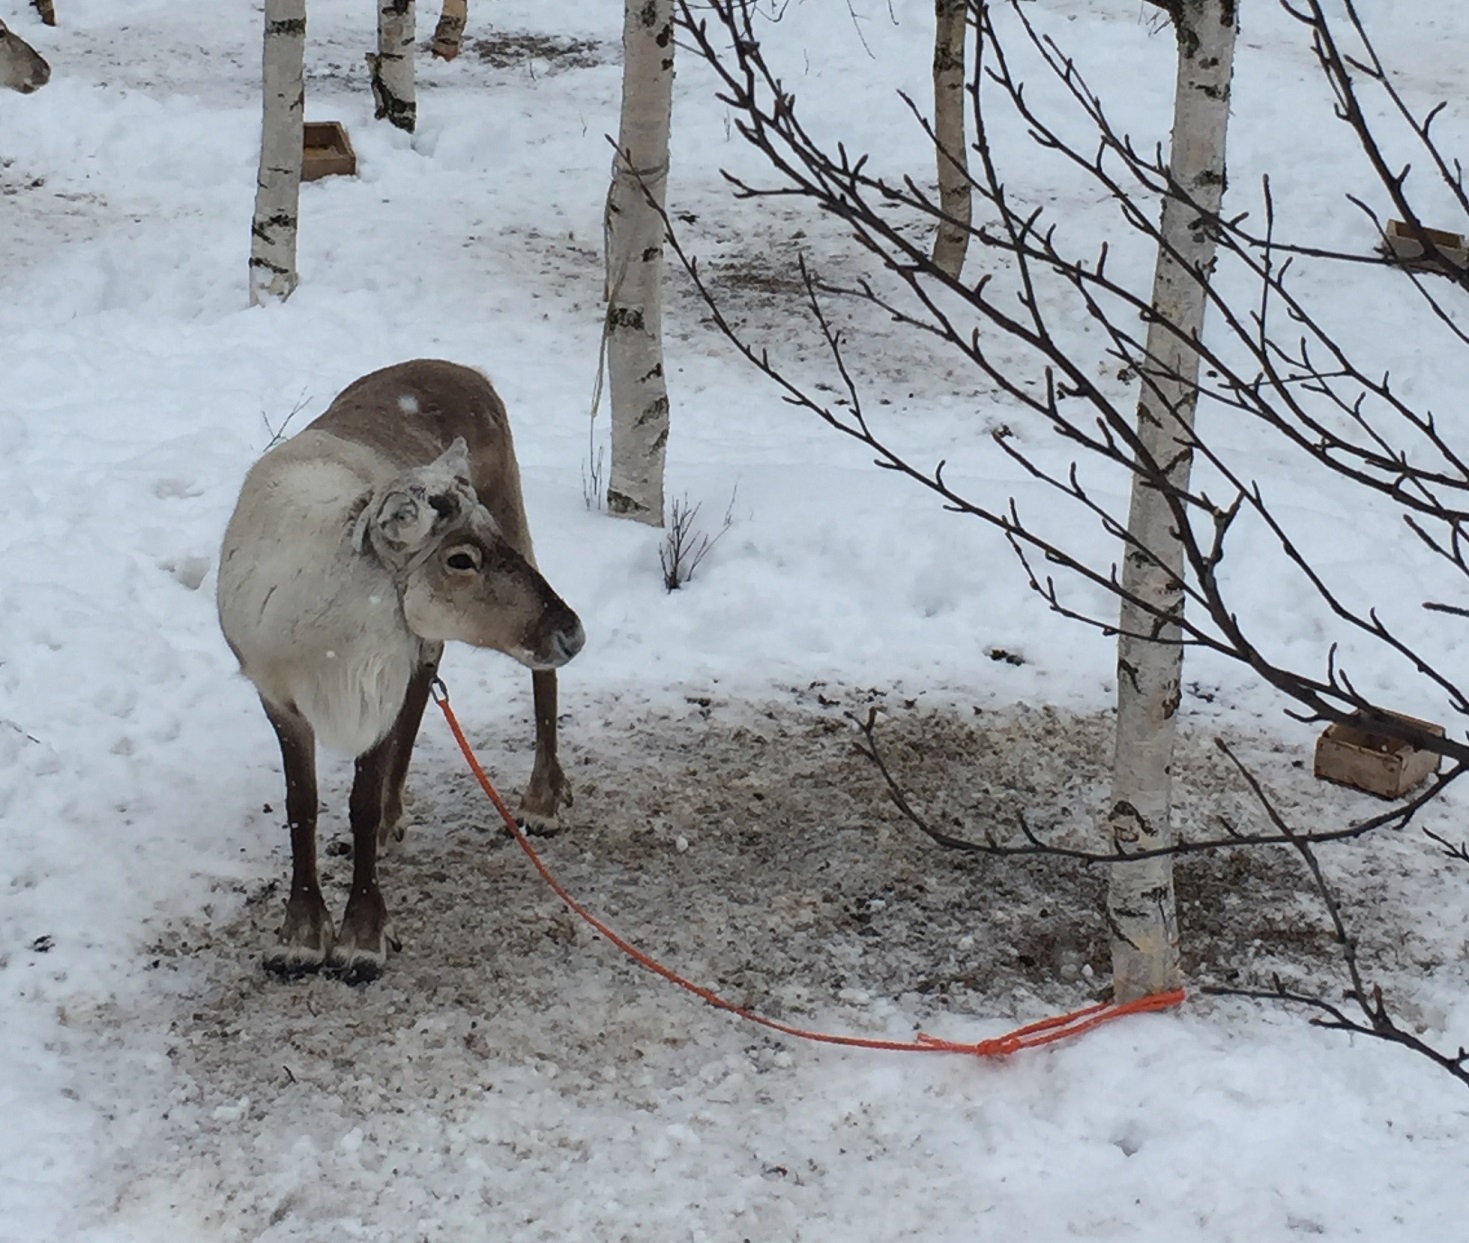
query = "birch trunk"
{"x": 950, "y": 29}
{"x": 634, "y": 247}
{"x": 391, "y": 66}
{"x": 47, "y": 10}
{"x": 1140, "y": 897}
{"x": 278, "y": 185}
{"x": 449, "y": 33}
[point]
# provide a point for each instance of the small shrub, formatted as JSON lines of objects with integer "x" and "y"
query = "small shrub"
{"x": 684, "y": 546}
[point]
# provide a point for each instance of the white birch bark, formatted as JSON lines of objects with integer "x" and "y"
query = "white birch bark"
{"x": 634, "y": 246}
{"x": 449, "y": 33}
{"x": 278, "y": 185}
{"x": 1140, "y": 898}
{"x": 391, "y": 67}
{"x": 950, "y": 28}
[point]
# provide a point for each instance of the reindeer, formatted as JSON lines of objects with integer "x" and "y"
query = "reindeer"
{"x": 22, "y": 68}
{"x": 390, "y": 525}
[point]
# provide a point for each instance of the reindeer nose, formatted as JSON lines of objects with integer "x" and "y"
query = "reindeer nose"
{"x": 569, "y": 641}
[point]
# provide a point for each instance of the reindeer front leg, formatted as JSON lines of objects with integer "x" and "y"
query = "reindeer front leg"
{"x": 305, "y": 937}
{"x": 361, "y": 950}
{"x": 549, "y": 789}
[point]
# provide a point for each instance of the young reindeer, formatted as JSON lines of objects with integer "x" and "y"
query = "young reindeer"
{"x": 391, "y": 524}
{"x": 22, "y": 68}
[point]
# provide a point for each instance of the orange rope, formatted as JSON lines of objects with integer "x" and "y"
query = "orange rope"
{"x": 1045, "y": 1031}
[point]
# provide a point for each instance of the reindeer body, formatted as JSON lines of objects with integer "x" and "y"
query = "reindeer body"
{"x": 390, "y": 525}
{"x": 22, "y": 68}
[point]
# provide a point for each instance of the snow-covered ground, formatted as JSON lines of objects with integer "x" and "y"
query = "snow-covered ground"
{"x": 509, "y": 1078}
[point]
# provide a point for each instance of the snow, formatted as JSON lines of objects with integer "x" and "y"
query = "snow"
{"x": 509, "y": 1078}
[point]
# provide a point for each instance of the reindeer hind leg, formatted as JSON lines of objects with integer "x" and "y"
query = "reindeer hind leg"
{"x": 403, "y": 736}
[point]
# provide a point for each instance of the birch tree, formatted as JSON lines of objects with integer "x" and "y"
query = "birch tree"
{"x": 1272, "y": 359}
{"x": 449, "y": 33}
{"x": 1140, "y": 896}
{"x": 391, "y": 66}
{"x": 634, "y": 260}
{"x": 950, "y": 29}
{"x": 278, "y": 184}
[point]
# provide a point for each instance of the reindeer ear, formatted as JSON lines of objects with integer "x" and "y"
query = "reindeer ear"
{"x": 447, "y": 484}
{"x": 398, "y": 522}
{"x": 453, "y": 462}
{"x": 407, "y": 514}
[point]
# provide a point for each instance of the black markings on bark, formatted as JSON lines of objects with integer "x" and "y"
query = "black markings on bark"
{"x": 621, "y": 503}
{"x": 624, "y": 317}
{"x": 397, "y": 111}
{"x": 655, "y": 409}
{"x": 263, "y": 229}
{"x": 1127, "y": 823}
{"x": 1174, "y": 9}
{"x": 400, "y": 112}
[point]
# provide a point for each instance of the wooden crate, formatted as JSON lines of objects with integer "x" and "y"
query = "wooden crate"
{"x": 1407, "y": 250}
{"x": 327, "y": 151}
{"x": 1365, "y": 759}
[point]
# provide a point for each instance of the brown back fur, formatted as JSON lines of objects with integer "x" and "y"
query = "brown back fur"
{"x": 450, "y": 400}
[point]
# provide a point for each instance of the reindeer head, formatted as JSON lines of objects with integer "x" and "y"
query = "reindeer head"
{"x": 21, "y": 66}
{"x": 457, "y": 575}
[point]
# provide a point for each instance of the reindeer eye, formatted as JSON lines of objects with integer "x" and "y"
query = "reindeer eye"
{"x": 464, "y": 559}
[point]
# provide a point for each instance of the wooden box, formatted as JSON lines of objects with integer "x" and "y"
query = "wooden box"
{"x": 327, "y": 151}
{"x": 1357, "y": 756}
{"x": 1406, "y": 249}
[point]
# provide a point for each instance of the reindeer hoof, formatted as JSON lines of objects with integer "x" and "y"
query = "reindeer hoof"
{"x": 305, "y": 938}
{"x": 539, "y": 826}
{"x": 545, "y": 795}
{"x": 361, "y": 950}
{"x": 360, "y": 970}
{"x": 292, "y": 962}
{"x": 540, "y": 808}
{"x": 360, "y": 964}
{"x": 388, "y": 837}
